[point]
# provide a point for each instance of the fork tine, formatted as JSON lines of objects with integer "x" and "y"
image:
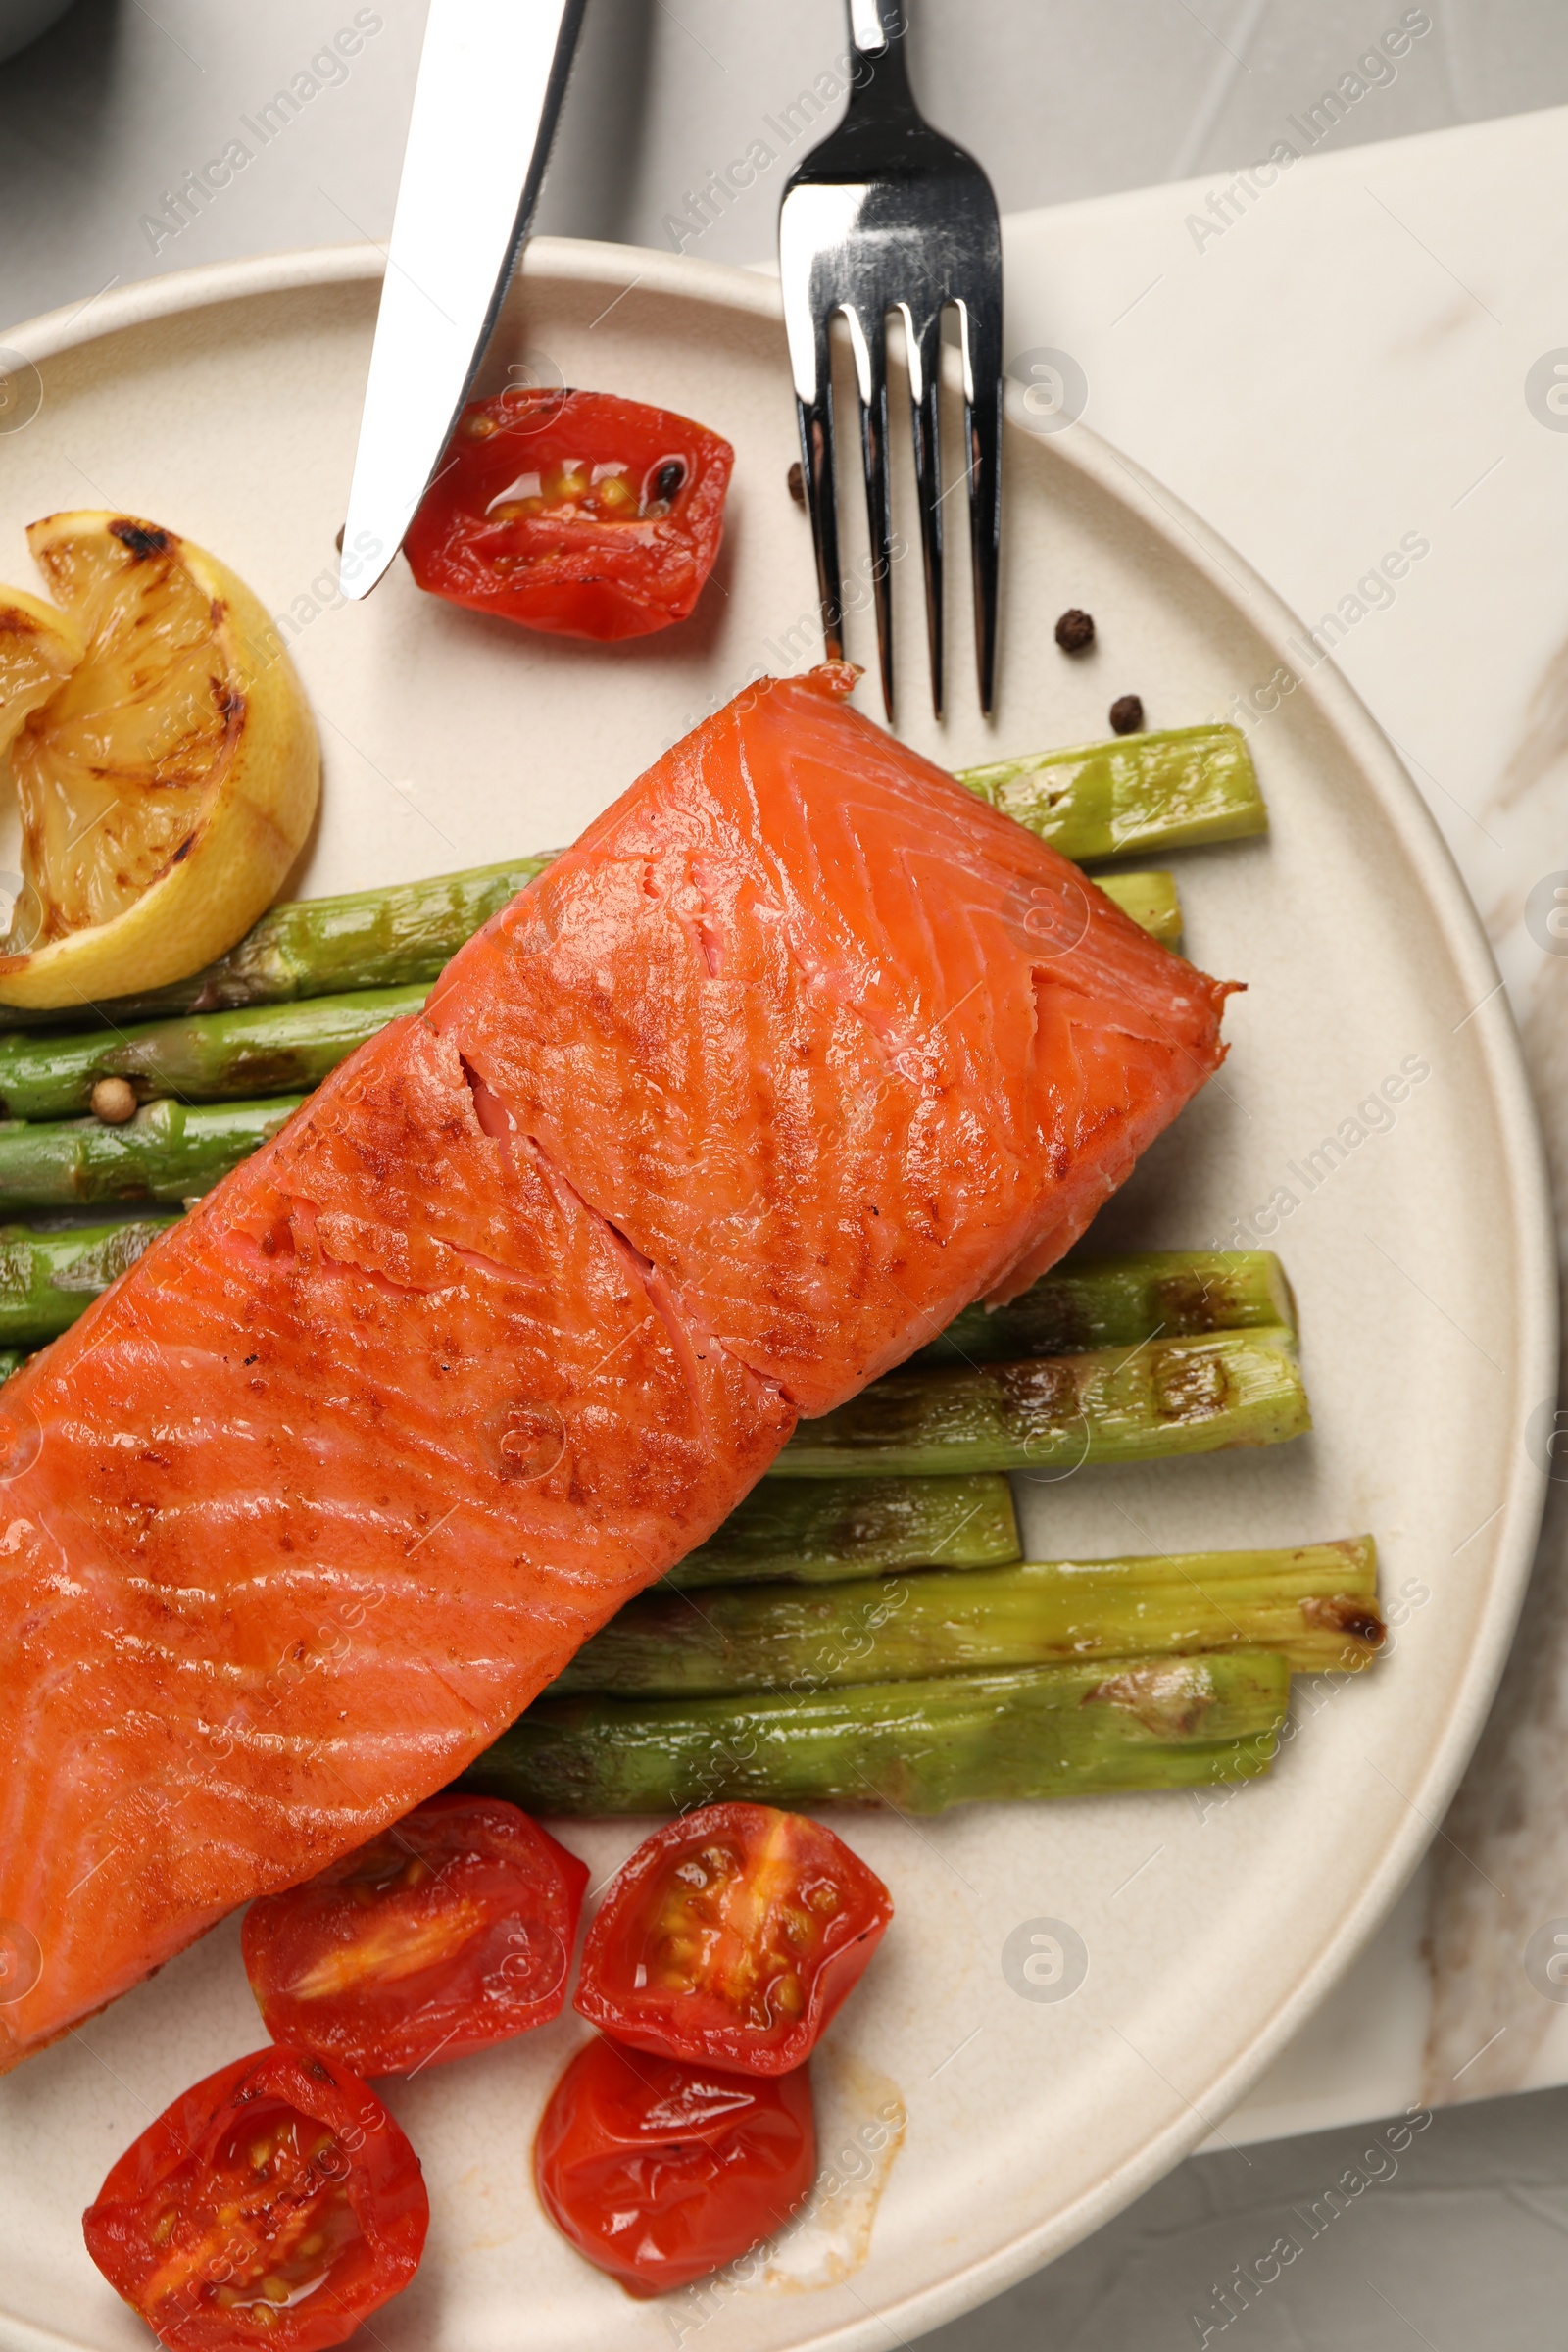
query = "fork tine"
{"x": 870, "y": 345}
{"x": 924, "y": 347}
{"x": 982, "y": 420}
{"x": 821, "y": 499}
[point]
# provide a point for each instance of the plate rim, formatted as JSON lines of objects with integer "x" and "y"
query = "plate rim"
{"x": 1374, "y": 760}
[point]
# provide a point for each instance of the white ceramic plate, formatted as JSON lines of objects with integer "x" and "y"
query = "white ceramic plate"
{"x": 226, "y": 403}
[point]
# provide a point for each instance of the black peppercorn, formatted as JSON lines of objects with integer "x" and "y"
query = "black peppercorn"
{"x": 1075, "y": 631}
{"x": 1127, "y": 714}
{"x": 797, "y": 481}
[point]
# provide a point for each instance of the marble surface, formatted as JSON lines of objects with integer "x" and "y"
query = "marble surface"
{"x": 1362, "y": 349}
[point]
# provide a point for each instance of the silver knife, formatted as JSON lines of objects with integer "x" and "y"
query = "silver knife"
{"x": 492, "y": 76}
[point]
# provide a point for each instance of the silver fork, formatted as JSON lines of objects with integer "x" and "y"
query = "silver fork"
{"x": 888, "y": 216}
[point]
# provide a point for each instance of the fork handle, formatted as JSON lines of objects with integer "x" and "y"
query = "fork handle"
{"x": 876, "y": 25}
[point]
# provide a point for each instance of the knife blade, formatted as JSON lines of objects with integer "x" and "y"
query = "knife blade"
{"x": 492, "y": 76}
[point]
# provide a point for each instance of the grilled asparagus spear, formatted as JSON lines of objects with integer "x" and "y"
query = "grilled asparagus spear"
{"x": 46, "y": 1279}
{"x": 1151, "y": 900}
{"x": 956, "y": 1738}
{"x": 394, "y": 936}
{"x": 814, "y": 1531}
{"x": 201, "y": 1056}
{"x": 166, "y": 1152}
{"x": 1106, "y": 799}
{"x": 1114, "y": 1404}
{"x": 1117, "y": 1301}
{"x": 1317, "y": 1605}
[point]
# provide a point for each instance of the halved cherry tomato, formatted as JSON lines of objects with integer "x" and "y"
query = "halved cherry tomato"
{"x": 576, "y": 512}
{"x": 732, "y": 1936}
{"x": 661, "y": 2173}
{"x": 275, "y": 2203}
{"x": 451, "y": 1930}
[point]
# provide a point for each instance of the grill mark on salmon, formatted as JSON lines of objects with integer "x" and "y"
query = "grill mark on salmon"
{"x": 654, "y": 1287}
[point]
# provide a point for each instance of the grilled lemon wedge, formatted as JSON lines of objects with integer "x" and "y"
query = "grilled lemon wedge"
{"x": 38, "y": 650}
{"x": 164, "y": 757}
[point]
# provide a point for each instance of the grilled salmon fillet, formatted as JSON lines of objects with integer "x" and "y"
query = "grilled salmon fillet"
{"x": 798, "y": 1051}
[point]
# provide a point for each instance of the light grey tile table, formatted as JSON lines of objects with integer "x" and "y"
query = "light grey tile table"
{"x": 1459, "y": 2238}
